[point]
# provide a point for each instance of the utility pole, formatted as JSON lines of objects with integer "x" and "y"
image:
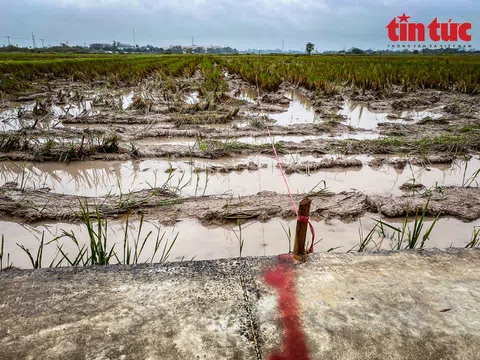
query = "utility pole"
{"x": 8, "y": 38}
{"x": 134, "y": 40}
{"x": 33, "y": 40}
{"x": 42, "y": 40}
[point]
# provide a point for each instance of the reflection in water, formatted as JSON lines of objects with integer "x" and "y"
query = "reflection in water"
{"x": 261, "y": 140}
{"x": 359, "y": 116}
{"x": 300, "y": 111}
{"x": 127, "y": 100}
{"x": 213, "y": 242}
{"x": 174, "y": 141}
{"x": 192, "y": 98}
{"x": 12, "y": 119}
{"x": 248, "y": 95}
{"x": 95, "y": 178}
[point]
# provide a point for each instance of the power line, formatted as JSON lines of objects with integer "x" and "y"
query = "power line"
{"x": 16, "y": 38}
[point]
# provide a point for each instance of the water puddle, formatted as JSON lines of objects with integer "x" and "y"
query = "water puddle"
{"x": 259, "y": 140}
{"x": 127, "y": 100}
{"x": 96, "y": 178}
{"x": 300, "y": 111}
{"x": 195, "y": 241}
{"x": 248, "y": 95}
{"x": 14, "y": 119}
{"x": 175, "y": 141}
{"x": 360, "y": 116}
{"x": 85, "y": 108}
{"x": 262, "y": 140}
{"x": 192, "y": 98}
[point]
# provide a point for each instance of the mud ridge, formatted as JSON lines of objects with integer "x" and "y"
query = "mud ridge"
{"x": 165, "y": 206}
{"x": 307, "y": 166}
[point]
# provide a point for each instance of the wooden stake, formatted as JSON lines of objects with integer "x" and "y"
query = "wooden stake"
{"x": 301, "y": 230}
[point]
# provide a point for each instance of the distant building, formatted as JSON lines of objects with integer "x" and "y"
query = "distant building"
{"x": 99, "y": 46}
{"x": 121, "y": 46}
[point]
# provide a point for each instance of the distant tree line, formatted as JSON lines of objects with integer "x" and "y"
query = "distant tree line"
{"x": 54, "y": 49}
{"x": 150, "y": 49}
{"x": 117, "y": 47}
{"x": 358, "y": 51}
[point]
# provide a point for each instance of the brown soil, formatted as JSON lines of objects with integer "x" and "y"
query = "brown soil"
{"x": 251, "y": 166}
{"x": 462, "y": 203}
{"x": 307, "y": 166}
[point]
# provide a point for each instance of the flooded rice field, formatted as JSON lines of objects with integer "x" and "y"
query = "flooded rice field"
{"x": 187, "y": 176}
{"x": 302, "y": 111}
{"x": 172, "y": 148}
{"x": 20, "y": 118}
{"x": 259, "y": 140}
{"x": 192, "y": 240}
{"x": 360, "y": 116}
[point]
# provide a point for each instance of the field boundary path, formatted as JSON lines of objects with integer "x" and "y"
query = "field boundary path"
{"x": 388, "y": 305}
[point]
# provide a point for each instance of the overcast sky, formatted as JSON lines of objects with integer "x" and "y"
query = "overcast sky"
{"x": 329, "y": 24}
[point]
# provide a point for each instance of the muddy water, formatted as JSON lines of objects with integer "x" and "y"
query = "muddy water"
{"x": 300, "y": 111}
{"x": 248, "y": 95}
{"x": 127, "y": 100}
{"x": 262, "y": 140}
{"x": 95, "y": 178}
{"x": 192, "y": 98}
{"x": 360, "y": 116}
{"x": 174, "y": 141}
{"x": 85, "y": 108}
{"x": 259, "y": 140}
{"x": 201, "y": 242}
{"x": 10, "y": 119}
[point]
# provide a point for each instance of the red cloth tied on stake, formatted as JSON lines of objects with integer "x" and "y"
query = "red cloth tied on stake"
{"x": 306, "y": 219}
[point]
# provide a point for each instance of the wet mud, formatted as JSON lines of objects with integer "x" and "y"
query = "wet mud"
{"x": 167, "y": 207}
{"x": 191, "y": 159}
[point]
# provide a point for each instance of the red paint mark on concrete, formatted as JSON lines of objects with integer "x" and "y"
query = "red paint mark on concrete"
{"x": 282, "y": 277}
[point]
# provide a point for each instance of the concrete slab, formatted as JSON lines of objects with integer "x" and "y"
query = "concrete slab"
{"x": 399, "y": 305}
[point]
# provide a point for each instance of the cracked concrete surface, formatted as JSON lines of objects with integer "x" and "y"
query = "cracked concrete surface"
{"x": 395, "y": 305}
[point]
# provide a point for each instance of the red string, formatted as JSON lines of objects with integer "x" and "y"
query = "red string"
{"x": 281, "y": 169}
{"x": 299, "y": 217}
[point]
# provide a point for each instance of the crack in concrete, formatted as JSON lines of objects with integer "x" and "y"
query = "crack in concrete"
{"x": 253, "y": 327}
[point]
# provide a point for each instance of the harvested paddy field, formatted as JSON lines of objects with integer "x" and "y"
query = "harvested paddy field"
{"x": 128, "y": 159}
